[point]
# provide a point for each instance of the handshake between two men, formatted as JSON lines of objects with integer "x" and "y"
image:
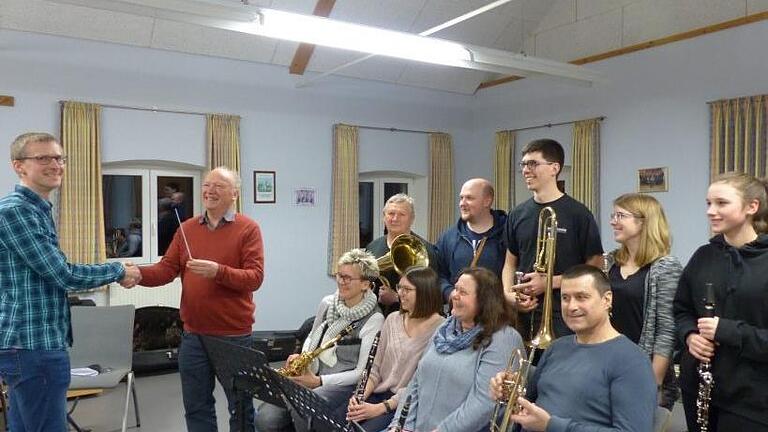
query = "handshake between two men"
{"x": 204, "y": 268}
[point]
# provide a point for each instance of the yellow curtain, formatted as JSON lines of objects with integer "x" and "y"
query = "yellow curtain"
{"x": 586, "y": 164}
{"x": 738, "y": 136}
{"x": 345, "y": 225}
{"x": 81, "y": 211}
{"x": 223, "y": 137}
{"x": 504, "y": 173}
{"x": 441, "y": 199}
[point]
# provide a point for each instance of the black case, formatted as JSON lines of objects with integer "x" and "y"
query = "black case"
{"x": 156, "y": 337}
{"x": 276, "y": 344}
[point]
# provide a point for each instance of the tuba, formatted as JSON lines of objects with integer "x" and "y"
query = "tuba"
{"x": 299, "y": 364}
{"x": 546, "y": 244}
{"x": 406, "y": 251}
{"x": 514, "y": 387}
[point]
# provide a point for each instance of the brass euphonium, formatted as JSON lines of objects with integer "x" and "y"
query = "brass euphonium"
{"x": 299, "y": 364}
{"x": 546, "y": 244}
{"x": 406, "y": 251}
{"x": 514, "y": 386}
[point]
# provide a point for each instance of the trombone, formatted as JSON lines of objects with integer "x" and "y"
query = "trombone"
{"x": 546, "y": 246}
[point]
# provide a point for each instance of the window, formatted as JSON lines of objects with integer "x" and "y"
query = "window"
{"x": 142, "y": 210}
{"x": 375, "y": 189}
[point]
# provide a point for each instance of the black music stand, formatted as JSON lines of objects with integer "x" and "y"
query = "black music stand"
{"x": 249, "y": 372}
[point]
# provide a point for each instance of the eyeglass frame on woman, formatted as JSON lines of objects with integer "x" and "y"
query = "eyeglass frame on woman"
{"x": 346, "y": 279}
{"x": 532, "y": 164}
{"x": 46, "y": 159}
{"x": 400, "y": 287}
{"x": 620, "y": 216}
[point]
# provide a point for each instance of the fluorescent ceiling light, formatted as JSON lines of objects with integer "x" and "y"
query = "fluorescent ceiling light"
{"x": 338, "y": 34}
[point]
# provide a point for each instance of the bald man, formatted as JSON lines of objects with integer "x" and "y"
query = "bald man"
{"x": 476, "y": 239}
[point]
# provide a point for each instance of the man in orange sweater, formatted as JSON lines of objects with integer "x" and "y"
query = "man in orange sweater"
{"x": 218, "y": 279}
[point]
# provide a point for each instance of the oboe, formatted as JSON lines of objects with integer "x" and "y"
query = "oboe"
{"x": 360, "y": 390}
{"x": 706, "y": 379}
{"x": 403, "y": 415}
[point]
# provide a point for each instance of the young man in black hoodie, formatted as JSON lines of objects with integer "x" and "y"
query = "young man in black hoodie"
{"x": 735, "y": 340}
{"x": 476, "y": 239}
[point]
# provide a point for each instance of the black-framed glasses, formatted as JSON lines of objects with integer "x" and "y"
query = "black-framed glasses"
{"x": 404, "y": 288}
{"x": 345, "y": 279}
{"x": 46, "y": 160}
{"x": 620, "y": 216}
{"x": 532, "y": 164}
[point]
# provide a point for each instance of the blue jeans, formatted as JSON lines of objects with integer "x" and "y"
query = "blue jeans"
{"x": 197, "y": 384}
{"x": 37, "y": 382}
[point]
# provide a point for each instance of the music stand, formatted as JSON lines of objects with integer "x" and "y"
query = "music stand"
{"x": 249, "y": 372}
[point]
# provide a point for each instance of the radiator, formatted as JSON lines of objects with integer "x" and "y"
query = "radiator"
{"x": 167, "y": 295}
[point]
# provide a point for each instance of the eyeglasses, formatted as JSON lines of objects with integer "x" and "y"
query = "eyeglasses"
{"x": 533, "y": 164}
{"x": 620, "y": 216}
{"x": 345, "y": 279}
{"x": 404, "y": 288}
{"x": 46, "y": 160}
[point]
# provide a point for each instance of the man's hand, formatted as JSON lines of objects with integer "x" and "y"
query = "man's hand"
{"x": 708, "y": 327}
{"x": 534, "y": 285}
{"x": 132, "y": 275}
{"x": 387, "y": 296}
{"x": 496, "y": 386}
{"x": 526, "y": 303}
{"x": 359, "y": 411}
{"x": 205, "y": 268}
{"x": 700, "y": 347}
{"x": 531, "y": 417}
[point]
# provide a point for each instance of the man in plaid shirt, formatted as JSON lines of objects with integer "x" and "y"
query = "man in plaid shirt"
{"x": 35, "y": 328}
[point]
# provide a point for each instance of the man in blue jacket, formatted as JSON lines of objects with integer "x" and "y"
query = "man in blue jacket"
{"x": 477, "y": 239}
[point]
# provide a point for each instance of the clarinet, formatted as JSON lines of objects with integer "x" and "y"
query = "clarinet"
{"x": 403, "y": 415}
{"x": 360, "y": 390}
{"x": 706, "y": 379}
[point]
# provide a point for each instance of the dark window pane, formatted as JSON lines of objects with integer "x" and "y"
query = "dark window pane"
{"x": 393, "y": 189}
{"x": 365, "y": 190}
{"x": 174, "y": 198}
{"x": 122, "y": 215}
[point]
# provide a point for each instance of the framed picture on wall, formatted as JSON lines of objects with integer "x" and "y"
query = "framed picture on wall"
{"x": 304, "y": 196}
{"x": 653, "y": 180}
{"x": 264, "y": 187}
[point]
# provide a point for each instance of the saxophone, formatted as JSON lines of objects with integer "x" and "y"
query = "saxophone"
{"x": 366, "y": 375}
{"x": 298, "y": 365}
{"x": 403, "y": 415}
{"x": 706, "y": 379}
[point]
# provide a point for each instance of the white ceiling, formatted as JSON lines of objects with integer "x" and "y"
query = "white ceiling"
{"x": 504, "y": 27}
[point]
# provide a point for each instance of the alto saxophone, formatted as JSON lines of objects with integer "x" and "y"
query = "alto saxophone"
{"x": 298, "y": 365}
{"x": 706, "y": 379}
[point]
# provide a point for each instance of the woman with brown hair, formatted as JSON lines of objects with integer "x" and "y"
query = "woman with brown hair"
{"x": 449, "y": 391}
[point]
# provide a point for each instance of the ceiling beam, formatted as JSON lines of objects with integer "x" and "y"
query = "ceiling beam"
{"x": 749, "y": 19}
{"x": 304, "y": 51}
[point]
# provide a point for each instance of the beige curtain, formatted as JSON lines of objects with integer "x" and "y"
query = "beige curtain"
{"x": 503, "y": 172}
{"x": 81, "y": 211}
{"x": 441, "y": 198}
{"x": 345, "y": 221}
{"x": 586, "y": 164}
{"x": 223, "y": 138}
{"x": 738, "y": 136}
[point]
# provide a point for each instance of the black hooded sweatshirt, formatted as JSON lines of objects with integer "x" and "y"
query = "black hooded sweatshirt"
{"x": 740, "y": 366}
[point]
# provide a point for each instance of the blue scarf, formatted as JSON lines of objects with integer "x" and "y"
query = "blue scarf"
{"x": 450, "y": 337}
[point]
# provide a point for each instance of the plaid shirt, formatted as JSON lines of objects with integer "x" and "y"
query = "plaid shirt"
{"x": 35, "y": 275}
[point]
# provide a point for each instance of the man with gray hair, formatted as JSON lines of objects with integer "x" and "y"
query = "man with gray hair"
{"x": 35, "y": 277}
{"x": 220, "y": 258}
{"x": 398, "y": 215}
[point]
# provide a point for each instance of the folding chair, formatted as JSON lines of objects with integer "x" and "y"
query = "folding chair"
{"x": 103, "y": 336}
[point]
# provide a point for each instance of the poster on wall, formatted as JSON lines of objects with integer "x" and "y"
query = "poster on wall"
{"x": 264, "y": 187}
{"x": 652, "y": 180}
{"x": 304, "y": 196}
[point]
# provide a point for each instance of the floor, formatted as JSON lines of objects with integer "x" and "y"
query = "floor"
{"x": 161, "y": 409}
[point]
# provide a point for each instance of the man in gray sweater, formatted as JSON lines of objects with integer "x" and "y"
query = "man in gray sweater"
{"x": 596, "y": 380}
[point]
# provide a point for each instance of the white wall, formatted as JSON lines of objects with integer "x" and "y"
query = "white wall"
{"x": 284, "y": 129}
{"x": 657, "y": 115}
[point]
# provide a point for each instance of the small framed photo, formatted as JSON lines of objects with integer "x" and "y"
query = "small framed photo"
{"x": 304, "y": 196}
{"x": 653, "y": 180}
{"x": 264, "y": 187}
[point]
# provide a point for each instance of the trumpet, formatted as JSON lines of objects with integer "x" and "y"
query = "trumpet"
{"x": 514, "y": 387}
{"x": 298, "y": 365}
{"x": 546, "y": 244}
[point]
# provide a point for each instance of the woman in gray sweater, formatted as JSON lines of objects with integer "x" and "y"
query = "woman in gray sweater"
{"x": 644, "y": 278}
{"x": 449, "y": 391}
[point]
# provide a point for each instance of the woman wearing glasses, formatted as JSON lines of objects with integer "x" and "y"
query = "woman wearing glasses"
{"x": 449, "y": 391}
{"x": 335, "y": 372}
{"x": 644, "y": 279}
{"x": 404, "y": 338}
